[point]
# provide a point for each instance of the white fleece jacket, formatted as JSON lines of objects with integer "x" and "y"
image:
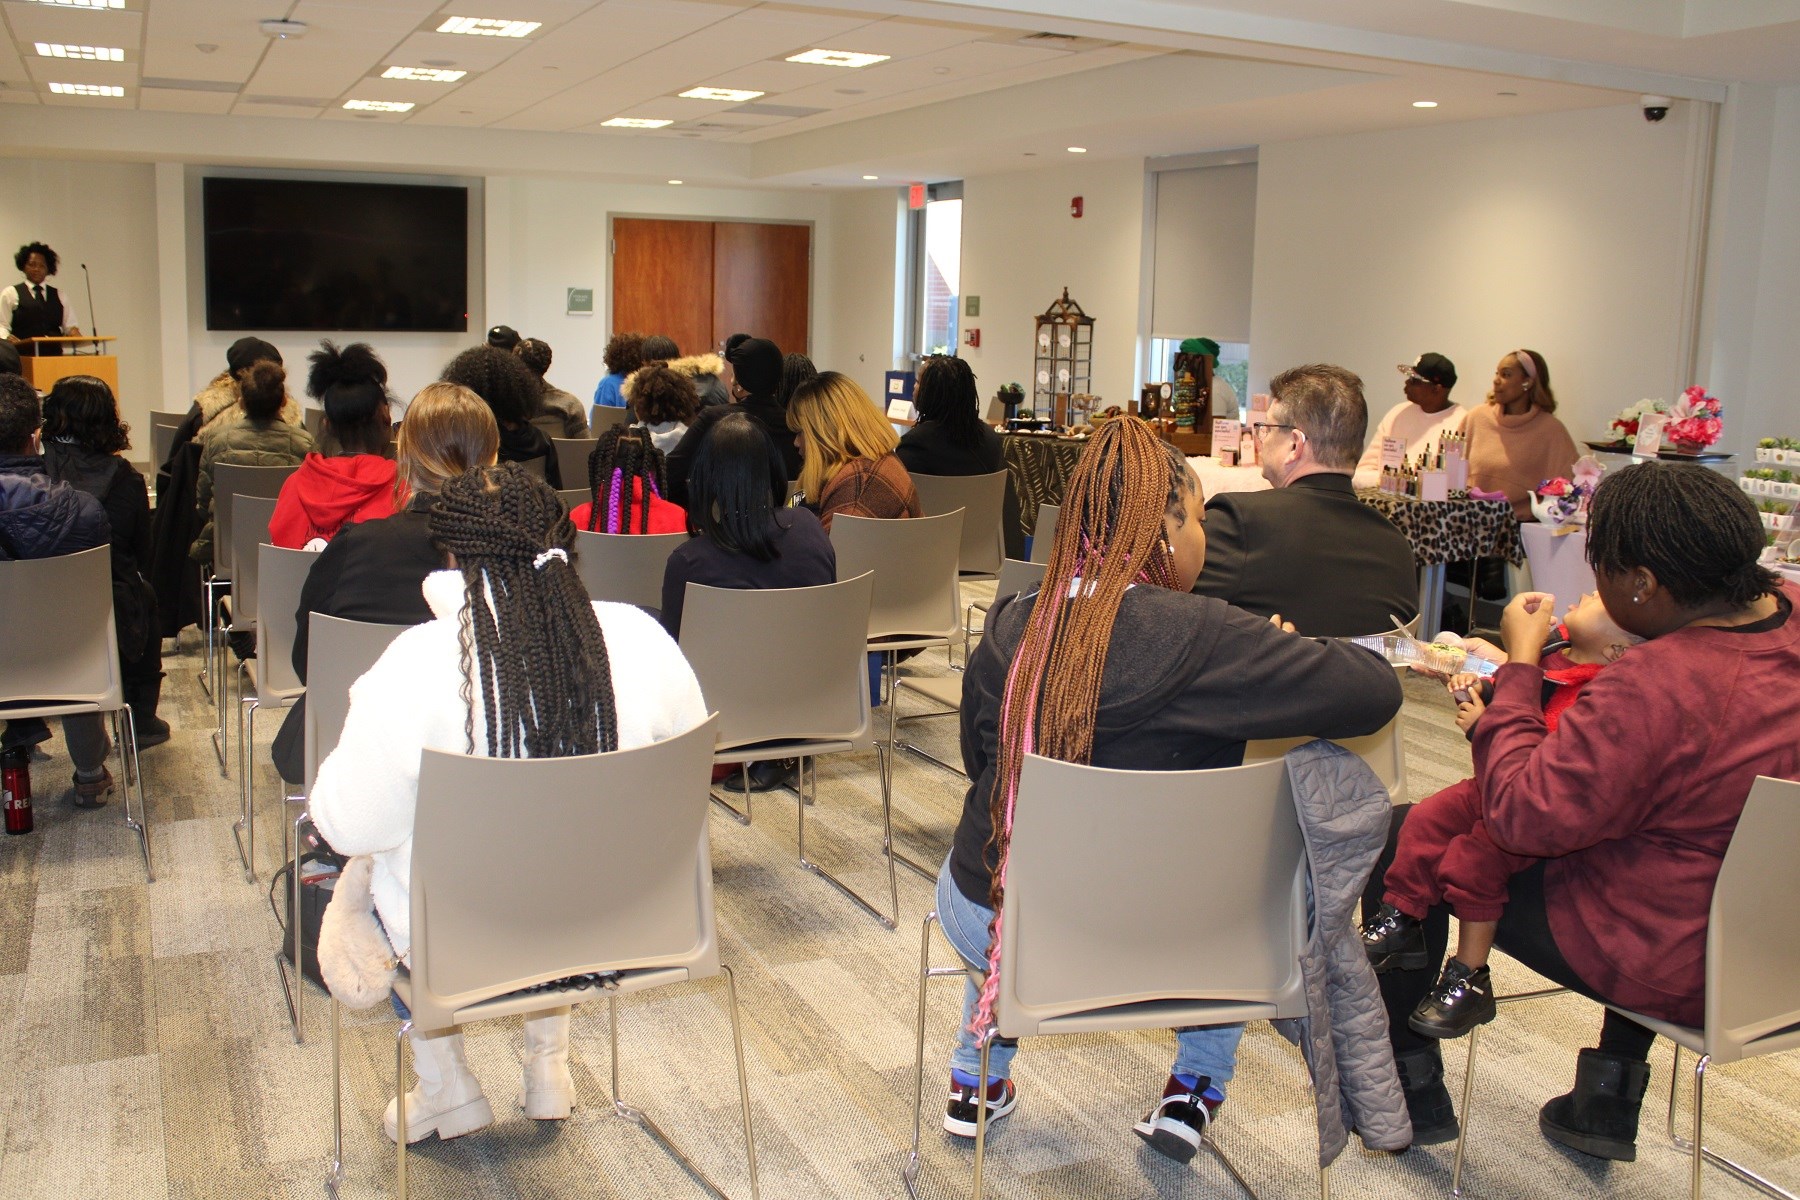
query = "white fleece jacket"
{"x": 411, "y": 699}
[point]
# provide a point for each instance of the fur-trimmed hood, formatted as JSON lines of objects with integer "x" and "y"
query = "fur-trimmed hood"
{"x": 218, "y": 405}
{"x": 694, "y": 366}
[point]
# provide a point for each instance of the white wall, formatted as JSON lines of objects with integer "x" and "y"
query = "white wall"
{"x": 863, "y": 333}
{"x": 1771, "y": 404}
{"x": 103, "y": 214}
{"x": 1565, "y": 232}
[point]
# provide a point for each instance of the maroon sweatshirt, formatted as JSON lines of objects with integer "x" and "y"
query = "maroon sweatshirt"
{"x": 1635, "y": 796}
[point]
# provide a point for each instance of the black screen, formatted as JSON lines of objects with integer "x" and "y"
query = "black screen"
{"x": 303, "y": 254}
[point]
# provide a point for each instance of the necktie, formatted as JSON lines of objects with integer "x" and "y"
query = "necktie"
{"x": 39, "y": 289}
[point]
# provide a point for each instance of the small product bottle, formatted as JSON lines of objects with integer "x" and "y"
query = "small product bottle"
{"x": 15, "y": 790}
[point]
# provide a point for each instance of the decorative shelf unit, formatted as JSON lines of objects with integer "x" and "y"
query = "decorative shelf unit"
{"x": 1063, "y": 364}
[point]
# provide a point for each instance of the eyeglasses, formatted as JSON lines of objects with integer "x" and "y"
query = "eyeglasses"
{"x": 1261, "y": 428}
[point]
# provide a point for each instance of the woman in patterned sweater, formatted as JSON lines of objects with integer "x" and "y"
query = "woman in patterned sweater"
{"x": 847, "y": 451}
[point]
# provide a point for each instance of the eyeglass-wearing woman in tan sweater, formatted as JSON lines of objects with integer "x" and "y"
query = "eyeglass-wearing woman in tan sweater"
{"x": 1515, "y": 440}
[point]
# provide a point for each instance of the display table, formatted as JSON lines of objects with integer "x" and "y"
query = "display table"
{"x": 1558, "y": 561}
{"x": 1215, "y": 477}
{"x": 1446, "y": 531}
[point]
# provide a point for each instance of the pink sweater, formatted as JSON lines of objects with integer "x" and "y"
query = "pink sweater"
{"x": 1515, "y": 454}
{"x": 1635, "y": 796}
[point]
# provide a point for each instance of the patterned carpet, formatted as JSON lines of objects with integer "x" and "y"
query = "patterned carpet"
{"x": 148, "y": 1053}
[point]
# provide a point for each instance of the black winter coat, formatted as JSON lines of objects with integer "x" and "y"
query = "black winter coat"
{"x": 41, "y": 518}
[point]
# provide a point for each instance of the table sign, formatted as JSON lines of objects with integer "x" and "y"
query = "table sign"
{"x": 1649, "y": 434}
{"x": 900, "y": 409}
{"x": 1225, "y": 433}
{"x": 1393, "y": 452}
{"x": 1434, "y": 485}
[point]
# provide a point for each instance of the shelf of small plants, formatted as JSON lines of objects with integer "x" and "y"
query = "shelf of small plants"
{"x": 1773, "y": 485}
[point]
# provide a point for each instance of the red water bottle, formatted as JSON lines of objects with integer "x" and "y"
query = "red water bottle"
{"x": 15, "y": 789}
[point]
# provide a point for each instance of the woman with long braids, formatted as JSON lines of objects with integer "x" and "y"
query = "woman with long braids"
{"x": 1115, "y": 663}
{"x": 626, "y": 484}
{"x": 516, "y": 663}
{"x": 950, "y": 437}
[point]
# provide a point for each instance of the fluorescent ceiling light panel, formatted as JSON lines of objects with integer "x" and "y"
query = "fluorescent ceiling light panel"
{"x": 837, "y": 58}
{"x": 488, "y": 26}
{"x": 636, "y": 123}
{"x": 87, "y": 89}
{"x": 1424, "y": 103}
{"x": 391, "y": 106}
{"x": 84, "y": 3}
{"x": 734, "y": 95}
{"x": 423, "y": 74}
{"x": 90, "y": 53}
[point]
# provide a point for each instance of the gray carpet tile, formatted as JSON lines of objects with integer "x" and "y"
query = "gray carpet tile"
{"x": 150, "y": 1055}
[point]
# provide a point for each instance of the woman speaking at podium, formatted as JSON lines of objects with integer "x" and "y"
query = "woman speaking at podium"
{"x": 35, "y": 309}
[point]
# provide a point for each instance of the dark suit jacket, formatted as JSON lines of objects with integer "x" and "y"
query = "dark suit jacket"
{"x": 1312, "y": 552}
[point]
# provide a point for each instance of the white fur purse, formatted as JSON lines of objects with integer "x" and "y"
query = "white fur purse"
{"x": 355, "y": 958}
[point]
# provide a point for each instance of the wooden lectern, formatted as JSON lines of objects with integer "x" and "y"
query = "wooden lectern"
{"x": 42, "y": 372}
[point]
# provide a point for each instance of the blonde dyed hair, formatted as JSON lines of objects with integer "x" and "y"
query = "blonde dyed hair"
{"x": 840, "y": 422}
{"x": 448, "y": 430}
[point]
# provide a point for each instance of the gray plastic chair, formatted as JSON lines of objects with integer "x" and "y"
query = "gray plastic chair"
{"x": 533, "y": 467}
{"x": 1093, "y": 850}
{"x": 572, "y": 458}
{"x": 1043, "y": 534}
{"x": 602, "y": 418}
{"x": 230, "y": 480}
{"x": 626, "y": 567}
{"x": 162, "y": 436}
{"x": 1752, "y": 974}
{"x": 615, "y": 845}
{"x": 250, "y": 516}
{"x": 1383, "y": 750}
{"x": 268, "y": 680}
{"x": 62, "y": 657}
{"x": 982, "y": 499}
{"x": 314, "y": 420}
{"x": 787, "y": 671}
{"x": 573, "y": 498}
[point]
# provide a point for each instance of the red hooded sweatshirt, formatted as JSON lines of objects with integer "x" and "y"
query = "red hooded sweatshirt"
{"x": 326, "y": 494}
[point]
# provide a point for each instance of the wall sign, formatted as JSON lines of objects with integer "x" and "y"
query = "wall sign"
{"x": 580, "y": 302}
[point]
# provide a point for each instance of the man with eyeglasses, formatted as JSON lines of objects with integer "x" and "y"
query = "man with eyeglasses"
{"x": 1309, "y": 549}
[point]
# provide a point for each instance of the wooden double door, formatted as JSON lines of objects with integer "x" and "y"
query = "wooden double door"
{"x": 699, "y": 282}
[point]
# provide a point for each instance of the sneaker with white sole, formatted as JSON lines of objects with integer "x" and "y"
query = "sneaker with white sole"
{"x": 964, "y": 1110}
{"x": 1178, "y": 1123}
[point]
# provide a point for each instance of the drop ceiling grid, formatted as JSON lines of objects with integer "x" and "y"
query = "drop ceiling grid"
{"x": 340, "y": 47}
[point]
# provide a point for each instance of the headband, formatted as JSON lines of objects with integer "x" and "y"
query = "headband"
{"x": 1527, "y": 364}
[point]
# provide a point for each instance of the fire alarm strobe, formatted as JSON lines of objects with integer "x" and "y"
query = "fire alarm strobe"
{"x": 1075, "y": 207}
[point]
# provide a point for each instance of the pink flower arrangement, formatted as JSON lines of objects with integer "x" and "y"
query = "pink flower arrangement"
{"x": 1559, "y": 501}
{"x": 1695, "y": 419}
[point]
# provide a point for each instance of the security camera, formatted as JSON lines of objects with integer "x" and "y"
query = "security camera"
{"x": 1655, "y": 107}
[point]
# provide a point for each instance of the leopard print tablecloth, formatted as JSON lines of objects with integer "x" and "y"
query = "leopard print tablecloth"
{"x": 1443, "y": 531}
{"x": 1040, "y": 468}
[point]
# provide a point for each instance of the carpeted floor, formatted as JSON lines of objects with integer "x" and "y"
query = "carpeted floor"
{"x": 147, "y": 1051}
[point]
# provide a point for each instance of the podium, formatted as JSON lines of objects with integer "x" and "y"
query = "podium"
{"x": 42, "y": 372}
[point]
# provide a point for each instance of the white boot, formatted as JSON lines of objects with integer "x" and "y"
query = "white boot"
{"x": 549, "y": 1091}
{"x": 448, "y": 1100}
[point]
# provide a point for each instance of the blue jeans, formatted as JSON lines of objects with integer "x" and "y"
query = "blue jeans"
{"x": 1209, "y": 1050}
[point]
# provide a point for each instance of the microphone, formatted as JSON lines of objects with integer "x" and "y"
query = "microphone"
{"x": 92, "y": 319}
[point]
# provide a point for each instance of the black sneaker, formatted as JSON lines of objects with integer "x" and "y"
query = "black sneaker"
{"x": 772, "y": 774}
{"x": 1462, "y": 999}
{"x": 1178, "y": 1124}
{"x": 1394, "y": 941}
{"x": 1427, "y": 1099}
{"x": 963, "y": 1111}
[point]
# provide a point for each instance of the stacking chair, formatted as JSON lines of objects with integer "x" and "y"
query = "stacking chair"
{"x": 981, "y": 497}
{"x": 573, "y": 498}
{"x": 787, "y": 671}
{"x": 1093, "y": 850}
{"x": 550, "y": 422}
{"x": 229, "y": 481}
{"x": 162, "y": 436}
{"x": 615, "y": 845}
{"x": 602, "y": 418}
{"x": 338, "y": 652}
{"x": 62, "y": 657}
{"x": 533, "y": 467}
{"x": 1043, "y": 534}
{"x": 250, "y": 516}
{"x": 627, "y": 567}
{"x": 572, "y": 459}
{"x": 1752, "y": 974}
{"x": 1382, "y": 750}
{"x": 314, "y": 420}
{"x": 268, "y": 680}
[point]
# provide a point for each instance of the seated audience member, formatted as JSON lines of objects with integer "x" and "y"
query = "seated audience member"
{"x": 507, "y": 386}
{"x": 505, "y": 337}
{"x": 1627, "y": 806}
{"x": 83, "y": 442}
{"x": 625, "y": 487}
{"x": 10, "y": 363}
{"x": 261, "y": 439}
{"x": 473, "y": 680}
{"x": 1310, "y": 550}
{"x": 1421, "y": 420}
{"x": 755, "y": 365}
{"x": 41, "y": 518}
{"x": 373, "y": 571}
{"x": 665, "y": 403}
{"x": 1446, "y": 855}
{"x": 1115, "y": 664}
{"x": 1515, "y": 440}
{"x": 950, "y": 437}
{"x": 535, "y": 354}
{"x": 847, "y": 446}
{"x": 704, "y": 371}
{"x": 217, "y": 406}
{"x": 355, "y": 482}
{"x": 743, "y": 537}
{"x": 624, "y": 354}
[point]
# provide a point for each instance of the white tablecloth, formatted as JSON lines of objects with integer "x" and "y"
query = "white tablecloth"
{"x": 1558, "y": 562}
{"x": 1215, "y": 477}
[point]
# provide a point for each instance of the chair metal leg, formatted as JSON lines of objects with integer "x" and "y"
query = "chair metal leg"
{"x": 981, "y": 1114}
{"x": 243, "y": 830}
{"x": 400, "y": 1040}
{"x": 221, "y": 692}
{"x": 132, "y": 772}
{"x": 1693, "y": 1145}
{"x": 294, "y": 990}
{"x": 909, "y": 1173}
{"x": 334, "y": 1176}
{"x": 1468, "y": 1114}
{"x": 737, "y": 1046}
{"x": 742, "y": 816}
{"x": 887, "y": 821}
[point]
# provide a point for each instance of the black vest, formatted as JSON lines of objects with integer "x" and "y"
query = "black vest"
{"x": 37, "y": 318}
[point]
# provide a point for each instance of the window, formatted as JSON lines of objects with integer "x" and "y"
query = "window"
{"x": 934, "y": 284}
{"x": 1233, "y": 366}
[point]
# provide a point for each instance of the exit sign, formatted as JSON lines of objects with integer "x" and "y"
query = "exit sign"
{"x": 915, "y": 196}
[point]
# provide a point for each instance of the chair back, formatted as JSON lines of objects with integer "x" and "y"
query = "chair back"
{"x": 573, "y": 498}
{"x": 231, "y": 480}
{"x": 1382, "y": 750}
{"x": 914, "y": 561}
{"x": 572, "y": 459}
{"x": 1752, "y": 953}
{"x": 533, "y": 467}
{"x": 627, "y": 567}
{"x": 781, "y": 662}
{"x": 281, "y": 574}
{"x": 314, "y": 420}
{"x": 603, "y": 418}
{"x": 551, "y": 423}
{"x": 529, "y": 870}
{"x": 338, "y": 652}
{"x": 62, "y": 647}
{"x": 1097, "y": 854}
{"x": 1017, "y": 577}
{"x": 1043, "y": 534}
{"x": 250, "y": 517}
{"x": 982, "y": 498}
{"x": 162, "y": 435}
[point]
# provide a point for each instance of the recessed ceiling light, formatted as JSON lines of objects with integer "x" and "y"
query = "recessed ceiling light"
{"x": 636, "y": 123}
{"x": 87, "y": 89}
{"x": 940, "y": 70}
{"x": 870, "y": 176}
{"x": 1424, "y": 103}
{"x": 488, "y": 26}
{"x": 91, "y": 53}
{"x": 391, "y": 106}
{"x": 675, "y": 182}
{"x": 734, "y": 95}
{"x": 423, "y": 74}
{"x": 84, "y": 3}
{"x": 1077, "y": 149}
{"x": 837, "y": 58}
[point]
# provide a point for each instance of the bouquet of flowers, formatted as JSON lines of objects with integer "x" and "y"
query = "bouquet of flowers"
{"x": 1625, "y": 426}
{"x": 1694, "y": 422}
{"x": 1562, "y": 501}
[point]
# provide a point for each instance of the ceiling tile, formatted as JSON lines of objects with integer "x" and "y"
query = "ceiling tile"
{"x": 323, "y": 63}
{"x": 900, "y": 38}
{"x": 172, "y": 100}
{"x": 99, "y": 27}
{"x": 465, "y": 53}
{"x": 17, "y": 95}
{"x": 71, "y": 70}
{"x": 249, "y": 108}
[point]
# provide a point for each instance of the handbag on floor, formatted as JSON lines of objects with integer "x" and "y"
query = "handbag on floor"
{"x": 320, "y": 868}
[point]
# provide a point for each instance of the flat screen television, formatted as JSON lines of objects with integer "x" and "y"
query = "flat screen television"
{"x": 327, "y": 255}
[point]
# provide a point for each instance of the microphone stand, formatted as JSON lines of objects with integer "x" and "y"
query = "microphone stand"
{"x": 92, "y": 319}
